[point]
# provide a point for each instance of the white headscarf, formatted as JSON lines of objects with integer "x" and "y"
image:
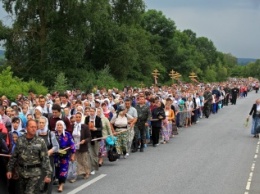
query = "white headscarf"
{"x": 80, "y": 107}
{"x": 82, "y": 117}
{"x": 19, "y": 129}
{"x": 101, "y": 112}
{"x": 78, "y": 125}
{"x": 46, "y": 127}
{"x": 39, "y": 109}
{"x": 77, "y": 132}
{"x": 93, "y": 118}
{"x": 63, "y": 125}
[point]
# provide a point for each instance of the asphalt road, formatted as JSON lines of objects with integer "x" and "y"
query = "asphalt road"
{"x": 216, "y": 156}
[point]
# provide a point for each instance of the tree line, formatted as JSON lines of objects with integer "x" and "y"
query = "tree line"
{"x": 106, "y": 43}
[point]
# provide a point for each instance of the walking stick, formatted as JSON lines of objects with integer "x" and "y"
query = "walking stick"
{"x": 63, "y": 151}
{"x": 109, "y": 135}
{"x": 5, "y": 155}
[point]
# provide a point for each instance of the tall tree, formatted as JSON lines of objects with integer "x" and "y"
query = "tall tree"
{"x": 47, "y": 36}
{"x": 162, "y": 31}
{"x": 128, "y": 11}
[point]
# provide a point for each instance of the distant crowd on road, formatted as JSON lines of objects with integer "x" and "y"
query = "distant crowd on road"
{"x": 76, "y": 130}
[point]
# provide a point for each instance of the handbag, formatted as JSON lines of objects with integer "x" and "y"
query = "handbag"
{"x": 112, "y": 154}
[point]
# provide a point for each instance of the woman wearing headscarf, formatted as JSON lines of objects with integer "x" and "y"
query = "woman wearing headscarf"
{"x": 81, "y": 135}
{"x": 17, "y": 126}
{"x": 13, "y": 184}
{"x": 119, "y": 123}
{"x": 61, "y": 160}
{"x": 52, "y": 146}
{"x": 37, "y": 113}
{"x": 81, "y": 110}
{"x": 106, "y": 112}
{"x": 95, "y": 126}
{"x": 106, "y": 130}
{"x": 255, "y": 113}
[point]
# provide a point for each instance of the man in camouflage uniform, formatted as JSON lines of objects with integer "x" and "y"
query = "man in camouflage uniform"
{"x": 144, "y": 114}
{"x": 207, "y": 102}
{"x": 32, "y": 156}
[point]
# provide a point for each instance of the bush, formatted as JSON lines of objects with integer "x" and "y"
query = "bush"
{"x": 37, "y": 88}
{"x": 11, "y": 86}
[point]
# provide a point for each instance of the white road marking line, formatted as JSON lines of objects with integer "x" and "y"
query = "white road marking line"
{"x": 253, "y": 167}
{"x": 248, "y": 186}
{"x": 250, "y": 178}
{"x": 87, "y": 184}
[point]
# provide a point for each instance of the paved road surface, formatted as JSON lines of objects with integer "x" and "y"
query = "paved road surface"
{"x": 216, "y": 156}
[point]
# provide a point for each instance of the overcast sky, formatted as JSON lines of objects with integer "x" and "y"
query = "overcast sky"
{"x": 233, "y": 25}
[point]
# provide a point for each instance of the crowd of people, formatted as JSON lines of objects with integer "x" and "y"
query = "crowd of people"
{"x": 42, "y": 136}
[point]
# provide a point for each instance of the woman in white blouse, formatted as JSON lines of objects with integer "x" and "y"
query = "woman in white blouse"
{"x": 119, "y": 124}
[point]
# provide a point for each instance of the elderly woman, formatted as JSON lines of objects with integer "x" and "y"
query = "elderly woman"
{"x": 106, "y": 130}
{"x": 52, "y": 146}
{"x": 61, "y": 160}
{"x": 37, "y": 113}
{"x": 119, "y": 124}
{"x": 81, "y": 135}
{"x": 255, "y": 113}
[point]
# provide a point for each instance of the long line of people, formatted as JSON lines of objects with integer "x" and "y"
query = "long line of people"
{"x": 75, "y": 125}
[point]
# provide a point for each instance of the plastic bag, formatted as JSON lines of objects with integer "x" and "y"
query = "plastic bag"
{"x": 110, "y": 140}
{"x": 72, "y": 172}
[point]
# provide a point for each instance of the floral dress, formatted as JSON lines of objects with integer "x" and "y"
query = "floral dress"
{"x": 62, "y": 160}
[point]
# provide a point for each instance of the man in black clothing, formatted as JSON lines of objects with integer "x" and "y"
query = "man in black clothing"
{"x": 158, "y": 115}
{"x": 234, "y": 93}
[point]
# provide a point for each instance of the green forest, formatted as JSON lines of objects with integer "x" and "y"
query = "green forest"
{"x": 107, "y": 43}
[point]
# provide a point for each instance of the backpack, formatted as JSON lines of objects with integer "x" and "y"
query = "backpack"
{"x": 112, "y": 154}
